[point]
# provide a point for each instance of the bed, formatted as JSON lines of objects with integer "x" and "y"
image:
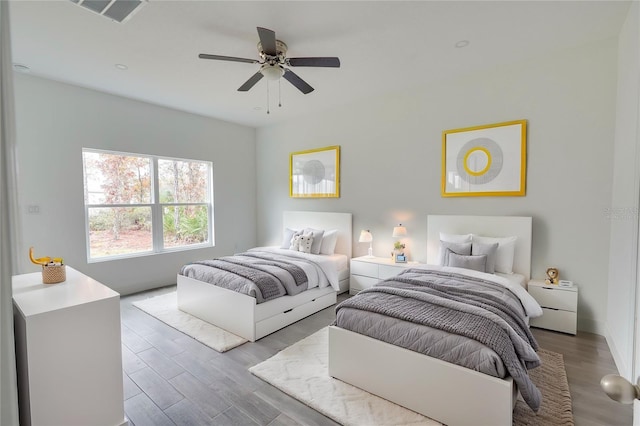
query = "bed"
{"x": 440, "y": 390}
{"x": 240, "y": 314}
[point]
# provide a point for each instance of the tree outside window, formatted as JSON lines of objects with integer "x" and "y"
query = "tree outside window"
{"x": 139, "y": 204}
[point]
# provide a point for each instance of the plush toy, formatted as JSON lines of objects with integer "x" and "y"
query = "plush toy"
{"x": 305, "y": 242}
{"x": 552, "y": 276}
{"x": 295, "y": 243}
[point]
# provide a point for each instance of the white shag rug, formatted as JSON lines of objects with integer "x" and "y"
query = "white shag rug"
{"x": 165, "y": 308}
{"x": 301, "y": 371}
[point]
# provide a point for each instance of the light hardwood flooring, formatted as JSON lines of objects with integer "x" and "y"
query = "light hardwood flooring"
{"x": 170, "y": 378}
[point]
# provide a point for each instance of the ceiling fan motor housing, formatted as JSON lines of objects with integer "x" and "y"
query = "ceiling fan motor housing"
{"x": 281, "y": 53}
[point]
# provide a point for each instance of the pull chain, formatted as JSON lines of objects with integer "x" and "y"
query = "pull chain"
{"x": 268, "y": 98}
{"x": 279, "y": 93}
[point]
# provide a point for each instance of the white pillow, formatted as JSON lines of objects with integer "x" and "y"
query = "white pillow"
{"x": 317, "y": 239}
{"x": 505, "y": 252}
{"x": 455, "y": 238}
{"x": 288, "y": 235}
{"x": 329, "y": 240}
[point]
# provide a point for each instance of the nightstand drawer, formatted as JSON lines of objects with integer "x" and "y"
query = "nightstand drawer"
{"x": 563, "y": 321}
{"x": 386, "y": 271}
{"x": 555, "y": 298}
{"x": 358, "y": 282}
{"x": 364, "y": 268}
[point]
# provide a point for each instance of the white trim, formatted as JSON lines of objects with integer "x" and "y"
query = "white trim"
{"x": 154, "y": 205}
{"x": 618, "y": 359}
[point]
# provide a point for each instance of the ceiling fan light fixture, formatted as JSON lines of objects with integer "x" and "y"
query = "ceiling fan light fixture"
{"x": 272, "y": 72}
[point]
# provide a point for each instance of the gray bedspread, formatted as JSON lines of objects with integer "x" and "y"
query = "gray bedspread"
{"x": 482, "y": 312}
{"x": 262, "y": 275}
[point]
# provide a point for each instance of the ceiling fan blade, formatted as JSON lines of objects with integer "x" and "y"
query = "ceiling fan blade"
{"x": 227, "y": 58}
{"x": 331, "y": 62}
{"x": 251, "y": 82}
{"x": 268, "y": 41}
{"x": 297, "y": 81}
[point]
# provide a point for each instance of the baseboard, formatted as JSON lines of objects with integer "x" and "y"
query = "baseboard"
{"x": 618, "y": 359}
{"x": 590, "y": 325}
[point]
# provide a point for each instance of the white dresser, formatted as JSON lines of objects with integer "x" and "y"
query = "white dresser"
{"x": 68, "y": 351}
{"x": 366, "y": 271}
{"x": 559, "y": 306}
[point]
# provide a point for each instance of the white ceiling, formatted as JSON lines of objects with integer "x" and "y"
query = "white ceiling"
{"x": 383, "y": 46}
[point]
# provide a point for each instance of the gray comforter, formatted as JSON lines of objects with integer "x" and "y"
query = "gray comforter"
{"x": 484, "y": 314}
{"x": 262, "y": 275}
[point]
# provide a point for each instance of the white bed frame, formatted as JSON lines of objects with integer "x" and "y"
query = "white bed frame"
{"x": 241, "y": 315}
{"x": 439, "y": 390}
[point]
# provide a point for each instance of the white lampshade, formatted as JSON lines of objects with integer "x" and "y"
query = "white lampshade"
{"x": 399, "y": 231}
{"x": 365, "y": 236}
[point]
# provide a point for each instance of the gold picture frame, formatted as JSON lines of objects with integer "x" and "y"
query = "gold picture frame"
{"x": 482, "y": 161}
{"x": 315, "y": 173}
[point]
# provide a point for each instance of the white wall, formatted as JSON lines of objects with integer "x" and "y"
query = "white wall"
{"x": 391, "y": 162}
{"x": 55, "y": 121}
{"x": 624, "y": 199}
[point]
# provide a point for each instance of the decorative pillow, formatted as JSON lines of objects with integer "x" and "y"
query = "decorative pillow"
{"x": 295, "y": 242}
{"x": 288, "y": 235}
{"x": 504, "y": 254}
{"x": 317, "y": 239}
{"x": 490, "y": 250}
{"x": 459, "y": 248}
{"x": 477, "y": 263}
{"x": 329, "y": 240}
{"x": 306, "y": 242}
{"x": 451, "y": 238}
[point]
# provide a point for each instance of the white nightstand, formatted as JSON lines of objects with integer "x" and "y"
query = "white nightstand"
{"x": 559, "y": 306}
{"x": 367, "y": 271}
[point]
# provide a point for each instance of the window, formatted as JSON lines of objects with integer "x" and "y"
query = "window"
{"x": 142, "y": 204}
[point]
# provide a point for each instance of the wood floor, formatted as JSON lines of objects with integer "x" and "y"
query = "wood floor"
{"x": 169, "y": 378}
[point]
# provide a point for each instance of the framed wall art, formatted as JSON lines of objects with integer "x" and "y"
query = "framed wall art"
{"x": 315, "y": 173}
{"x": 487, "y": 160}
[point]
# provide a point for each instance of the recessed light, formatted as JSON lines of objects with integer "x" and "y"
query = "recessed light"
{"x": 21, "y": 68}
{"x": 462, "y": 43}
{"x": 122, "y": 67}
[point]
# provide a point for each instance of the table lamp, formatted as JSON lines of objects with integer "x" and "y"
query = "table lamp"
{"x": 367, "y": 237}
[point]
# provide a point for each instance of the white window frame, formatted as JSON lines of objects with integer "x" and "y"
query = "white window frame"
{"x": 157, "y": 230}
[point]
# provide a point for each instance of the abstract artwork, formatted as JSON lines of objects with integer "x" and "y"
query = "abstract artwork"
{"x": 315, "y": 173}
{"x": 488, "y": 160}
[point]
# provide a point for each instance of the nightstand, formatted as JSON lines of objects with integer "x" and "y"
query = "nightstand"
{"x": 367, "y": 271}
{"x": 559, "y": 306}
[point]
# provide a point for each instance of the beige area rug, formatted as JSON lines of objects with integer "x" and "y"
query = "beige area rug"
{"x": 301, "y": 371}
{"x": 165, "y": 308}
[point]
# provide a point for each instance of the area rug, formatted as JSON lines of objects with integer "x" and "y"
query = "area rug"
{"x": 301, "y": 371}
{"x": 165, "y": 308}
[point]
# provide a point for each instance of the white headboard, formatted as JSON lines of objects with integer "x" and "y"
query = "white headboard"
{"x": 323, "y": 220}
{"x": 490, "y": 226}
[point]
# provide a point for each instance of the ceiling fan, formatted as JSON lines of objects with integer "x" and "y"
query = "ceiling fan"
{"x": 274, "y": 62}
